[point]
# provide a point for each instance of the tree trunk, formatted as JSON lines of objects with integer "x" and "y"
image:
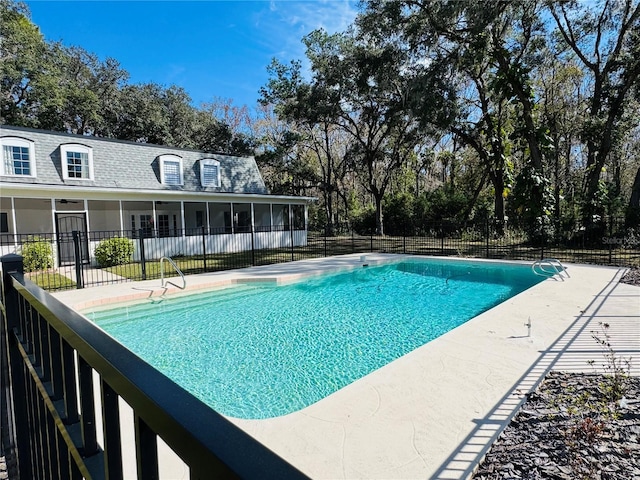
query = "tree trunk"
{"x": 633, "y": 211}
{"x": 497, "y": 179}
{"x": 328, "y": 209}
{"x": 379, "y": 220}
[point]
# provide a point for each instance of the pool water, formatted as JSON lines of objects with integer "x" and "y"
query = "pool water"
{"x": 261, "y": 350}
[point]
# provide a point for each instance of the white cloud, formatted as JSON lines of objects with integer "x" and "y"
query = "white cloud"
{"x": 286, "y": 22}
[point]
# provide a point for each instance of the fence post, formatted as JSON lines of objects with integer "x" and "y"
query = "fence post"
{"x": 204, "y": 249}
{"x": 14, "y": 420}
{"x": 143, "y": 260}
{"x": 78, "y": 259}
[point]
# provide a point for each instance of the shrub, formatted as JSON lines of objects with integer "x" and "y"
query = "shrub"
{"x": 37, "y": 254}
{"x": 114, "y": 251}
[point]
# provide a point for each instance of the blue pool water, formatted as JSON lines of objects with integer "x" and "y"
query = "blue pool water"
{"x": 261, "y": 350}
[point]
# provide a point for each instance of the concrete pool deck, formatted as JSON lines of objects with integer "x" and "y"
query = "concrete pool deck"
{"x": 434, "y": 412}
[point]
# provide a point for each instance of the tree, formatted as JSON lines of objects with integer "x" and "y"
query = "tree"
{"x": 149, "y": 113}
{"x": 604, "y": 37}
{"x": 282, "y": 161}
{"x": 311, "y": 122}
{"x": 480, "y": 51}
{"x": 23, "y": 54}
{"x": 561, "y": 88}
{"x": 226, "y": 127}
{"x": 362, "y": 84}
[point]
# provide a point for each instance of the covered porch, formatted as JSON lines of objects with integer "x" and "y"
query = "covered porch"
{"x": 212, "y": 223}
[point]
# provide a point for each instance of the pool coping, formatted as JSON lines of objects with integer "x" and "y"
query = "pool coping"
{"x": 472, "y": 379}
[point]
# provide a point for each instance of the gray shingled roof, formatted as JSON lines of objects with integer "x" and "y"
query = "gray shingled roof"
{"x": 129, "y": 165}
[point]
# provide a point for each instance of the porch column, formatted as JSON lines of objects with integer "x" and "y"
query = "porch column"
{"x": 121, "y": 216}
{"x": 56, "y": 257}
{"x": 15, "y": 225}
{"x": 182, "y": 222}
{"x": 86, "y": 212}
{"x": 53, "y": 218}
{"x": 271, "y": 217}
{"x": 155, "y": 219}
{"x": 290, "y": 217}
{"x": 233, "y": 220}
{"x": 253, "y": 223}
{"x": 206, "y": 205}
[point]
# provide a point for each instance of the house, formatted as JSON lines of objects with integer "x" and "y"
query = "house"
{"x": 52, "y": 184}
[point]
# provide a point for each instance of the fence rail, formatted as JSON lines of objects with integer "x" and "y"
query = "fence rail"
{"x": 52, "y": 359}
{"x": 73, "y": 261}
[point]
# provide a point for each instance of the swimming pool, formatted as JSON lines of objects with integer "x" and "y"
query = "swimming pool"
{"x": 261, "y": 350}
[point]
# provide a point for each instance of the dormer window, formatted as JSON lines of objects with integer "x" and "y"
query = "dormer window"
{"x": 77, "y": 161}
{"x": 171, "y": 170}
{"x": 209, "y": 172}
{"x": 18, "y": 157}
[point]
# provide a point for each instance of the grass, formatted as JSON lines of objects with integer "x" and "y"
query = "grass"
{"x": 50, "y": 280}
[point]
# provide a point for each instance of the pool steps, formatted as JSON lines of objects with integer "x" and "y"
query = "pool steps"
{"x": 138, "y": 310}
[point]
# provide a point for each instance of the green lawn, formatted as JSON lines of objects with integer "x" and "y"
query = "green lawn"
{"x": 50, "y": 280}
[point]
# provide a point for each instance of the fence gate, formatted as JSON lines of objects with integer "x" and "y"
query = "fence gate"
{"x": 68, "y": 223}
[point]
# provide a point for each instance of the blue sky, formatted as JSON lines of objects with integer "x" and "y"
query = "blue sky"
{"x": 210, "y": 48}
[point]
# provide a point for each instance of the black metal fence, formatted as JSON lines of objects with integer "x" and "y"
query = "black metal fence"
{"x": 73, "y": 261}
{"x": 62, "y": 382}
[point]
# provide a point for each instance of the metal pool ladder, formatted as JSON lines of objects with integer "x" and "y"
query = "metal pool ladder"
{"x": 550, "y": 267}
{"x": 162, "y": 280}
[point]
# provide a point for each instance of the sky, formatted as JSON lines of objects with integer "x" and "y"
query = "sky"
{"x": 213, "y": 49}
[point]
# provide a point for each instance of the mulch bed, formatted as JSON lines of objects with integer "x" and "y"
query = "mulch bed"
{"x": 632, "y": 277}
{"x": 568, "y": 429}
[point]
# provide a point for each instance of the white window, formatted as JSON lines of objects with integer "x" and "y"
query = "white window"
{"x": 209, "y": 172}
{"x": 18, "y": 157}
{"x": 77, "y": 161}
{"x": 171, "y": 169}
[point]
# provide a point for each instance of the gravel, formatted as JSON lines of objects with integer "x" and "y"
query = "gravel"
{"x": 632, "y": 277}
{"x": 573, "y": 427}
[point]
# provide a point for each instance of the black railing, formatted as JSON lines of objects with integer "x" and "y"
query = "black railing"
{"x": 200, "y": 250}
{"x": 56, "y": 366}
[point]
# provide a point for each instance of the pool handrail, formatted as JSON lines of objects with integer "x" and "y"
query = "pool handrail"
{"x": 162, "y": 280}
{"x": 555, "y": 266}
